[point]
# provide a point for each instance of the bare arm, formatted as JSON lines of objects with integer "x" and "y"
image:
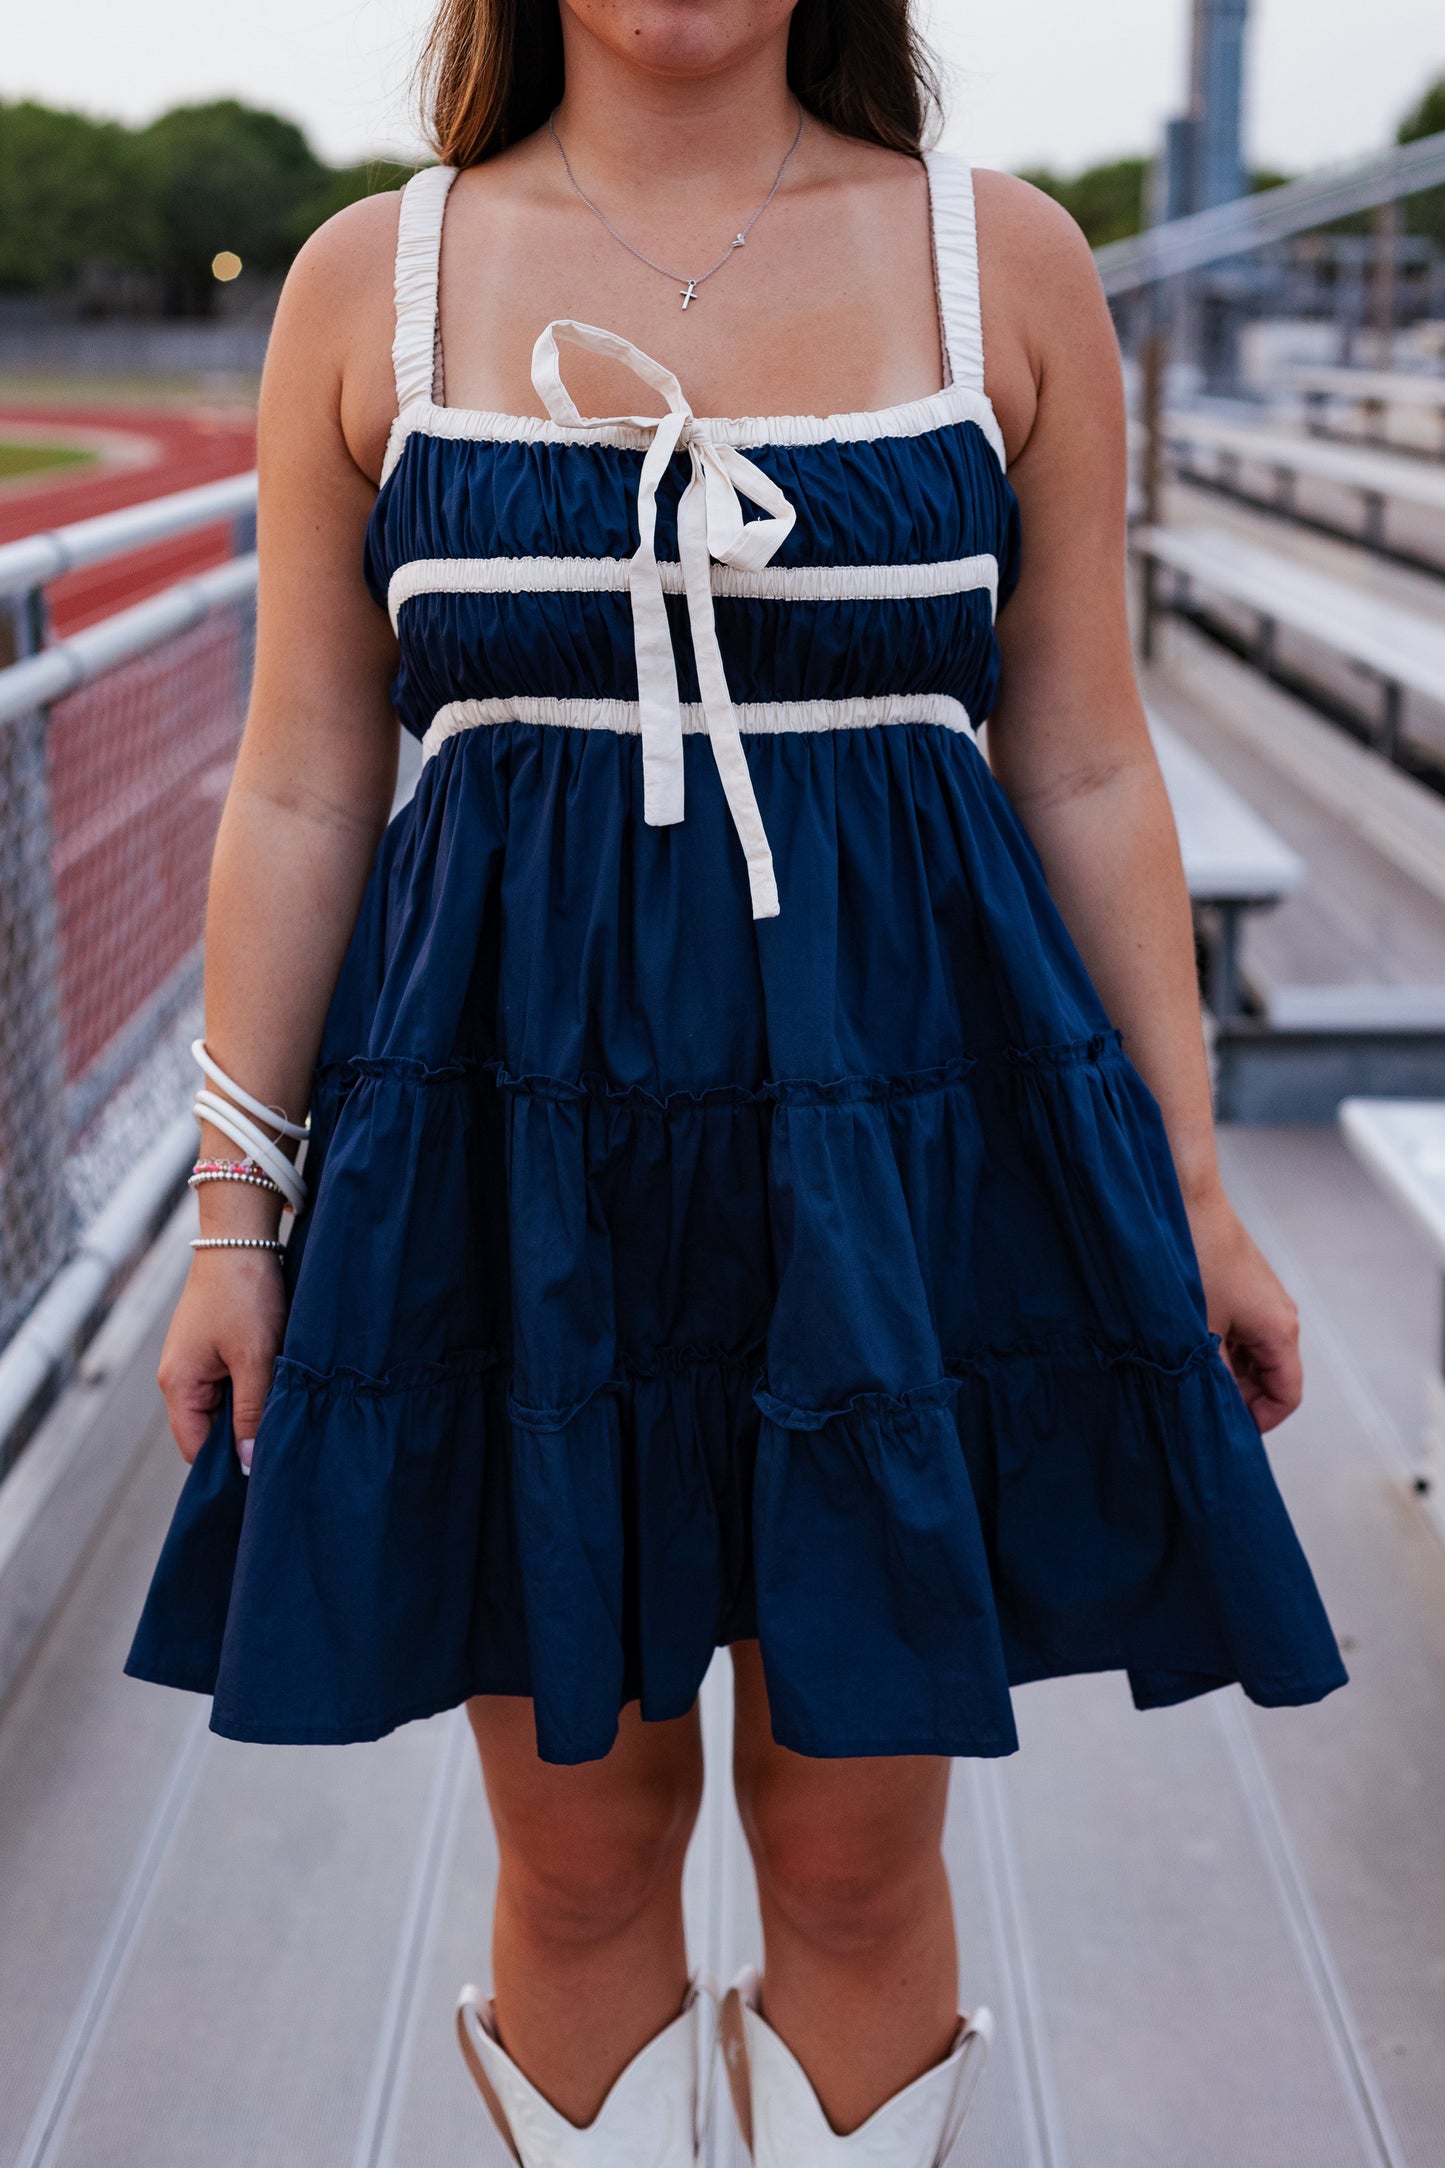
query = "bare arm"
{"x": 1070, "y": 744}
{"x": 311, "y": 790}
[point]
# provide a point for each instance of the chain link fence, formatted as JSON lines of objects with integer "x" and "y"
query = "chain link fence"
{"x": 116, "y": 748}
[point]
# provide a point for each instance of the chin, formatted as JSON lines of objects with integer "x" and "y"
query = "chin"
{"x": 682, "y": 37}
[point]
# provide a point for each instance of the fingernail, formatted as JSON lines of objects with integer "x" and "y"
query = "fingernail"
{"x": 244, "y": 1449}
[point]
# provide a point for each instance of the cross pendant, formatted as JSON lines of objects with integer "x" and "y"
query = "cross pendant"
{"x": 688, "y": 292}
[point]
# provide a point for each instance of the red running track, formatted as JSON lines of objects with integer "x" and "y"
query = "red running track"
{"x": 138, "y": 762}
{"x": 190, "y": 445}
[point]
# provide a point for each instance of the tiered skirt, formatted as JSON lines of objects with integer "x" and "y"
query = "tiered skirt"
{"x": 671, "y": 1279}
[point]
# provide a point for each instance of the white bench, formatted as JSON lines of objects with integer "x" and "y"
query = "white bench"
{"x": 1233, "y": 860}
{"x": 1402, "y": 1143}
{"x": 1372, "y": 392}
{"x": 1403, "y": 650}
{"x": 1378, "y": 478}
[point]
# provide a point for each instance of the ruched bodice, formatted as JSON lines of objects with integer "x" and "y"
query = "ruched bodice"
{"x": 664, "y": 606}
{"x": 910, "y": 509}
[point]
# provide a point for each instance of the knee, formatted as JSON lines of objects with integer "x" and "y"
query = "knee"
{"x": 581, "y": 1875}
{"x": 846, "y": 1884}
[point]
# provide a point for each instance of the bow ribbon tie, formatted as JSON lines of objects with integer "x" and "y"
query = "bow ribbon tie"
{"x": 710, "y": 525}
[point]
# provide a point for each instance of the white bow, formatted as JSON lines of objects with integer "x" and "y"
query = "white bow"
{"x": 710, "y": 525}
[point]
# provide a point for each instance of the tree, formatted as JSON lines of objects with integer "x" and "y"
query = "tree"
{"x": 1425, "y": 213}
{"x": 226, "y": 176}
{"x": 1108, "y": 201}
{"x": 77, "y": 195}
{"x": 348, "y": 184}
{"x": 72, "y": 194}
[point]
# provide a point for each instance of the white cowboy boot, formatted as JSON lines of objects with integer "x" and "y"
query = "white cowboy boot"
{"x": 784, "y": 2126}
{"x": 654, "y": 2117}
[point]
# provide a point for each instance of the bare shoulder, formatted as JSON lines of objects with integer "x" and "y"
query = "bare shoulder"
{"x": 1020, "y": 215}
{"x": 344, "y": 269}
{"x": 330, "y": 351}
{"x": 1047, "y": 328}
{"x": 1030, "y": 247}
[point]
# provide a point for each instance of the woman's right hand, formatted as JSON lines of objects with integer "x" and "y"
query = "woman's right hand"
{"x": 228, "y": 1323}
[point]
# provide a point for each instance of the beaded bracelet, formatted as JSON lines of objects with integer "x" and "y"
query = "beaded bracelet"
{"x": 249, "y": 1181}
{"x": 236, "y": 1242}
{"x": 227, "y": 1166}
{"x": 209, "y": 1107}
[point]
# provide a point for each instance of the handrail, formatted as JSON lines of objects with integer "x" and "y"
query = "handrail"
{"x": 55, "y": 671}
{"x": 33, "y": 1090}
{"x": 1231, "y": 229}
{"x": 38, "y": 558}
{"x": 46, "y": 1340}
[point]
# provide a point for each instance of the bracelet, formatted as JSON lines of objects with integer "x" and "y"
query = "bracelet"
{"x": 235, "y": 1242}
{"x": 226, "y": 1166}
{"x": 217, "y": 1075}
{"x": 247, "y": 1181}
{"x": 210, "y": 1107}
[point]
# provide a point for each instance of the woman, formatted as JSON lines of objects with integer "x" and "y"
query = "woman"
{"x": 761, "y": 1182}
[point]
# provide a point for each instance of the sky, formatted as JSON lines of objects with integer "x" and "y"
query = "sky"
{"x": 1032, "y": 82}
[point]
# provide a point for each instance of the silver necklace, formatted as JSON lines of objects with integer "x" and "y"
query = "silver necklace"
{"x": 688, "y": 288}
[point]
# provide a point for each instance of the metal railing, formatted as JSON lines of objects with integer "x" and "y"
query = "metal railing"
{"x": 1233, "y": 229}
{"x": 28, "y": 566}
{"x": 115, "y": 748}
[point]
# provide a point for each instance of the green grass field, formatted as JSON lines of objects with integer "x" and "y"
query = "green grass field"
{"x": 21, "y": 459}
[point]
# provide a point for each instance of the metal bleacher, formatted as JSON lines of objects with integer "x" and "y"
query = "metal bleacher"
{"x": 1402, "y": 1144}
{"x": 1371, "y": 397}
{"x": 1234, "y": 863}
{"x": 1390, "y": 502}
{"x": 1302, "y": 658}
{"x": 1402, "y": 650}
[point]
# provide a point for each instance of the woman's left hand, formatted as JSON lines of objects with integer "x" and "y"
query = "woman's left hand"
{"x": 1251, "y": 1311}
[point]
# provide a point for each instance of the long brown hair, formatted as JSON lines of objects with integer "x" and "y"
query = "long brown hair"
{"x": 491, "y": 72}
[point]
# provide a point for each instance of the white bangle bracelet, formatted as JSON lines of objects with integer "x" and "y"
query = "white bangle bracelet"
{"x": 209, "y": 1107}
{"x": 217, "y": 1075}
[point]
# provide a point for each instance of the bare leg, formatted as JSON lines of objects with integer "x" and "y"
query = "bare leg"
{"x": 861, "y": 1977}
{"x": 588, "y": 1958}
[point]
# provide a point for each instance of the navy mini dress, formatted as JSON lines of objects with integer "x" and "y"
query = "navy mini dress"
{"x": 732, "y": 1211}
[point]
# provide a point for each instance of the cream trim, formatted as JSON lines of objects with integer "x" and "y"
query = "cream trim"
{"x": 917, "y": 418}
{"x": 955, "y": 256}
{"x": 612, "y": 575}
{"x": 418, "y": 257}
{"x": 762, "y": 718}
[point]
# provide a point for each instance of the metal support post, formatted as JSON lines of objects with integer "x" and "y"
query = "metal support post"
{"x": 35, "y": 1212}
{"x": 1387, "y": 253}
{"x": 1153, "y": 384}
{"x": 1392, "y": 719}
{"x": 1223, "y": 988}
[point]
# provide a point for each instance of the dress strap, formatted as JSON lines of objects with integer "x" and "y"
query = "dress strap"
{"x": 955, "y": 265}
{"x": 416, "y": 349}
